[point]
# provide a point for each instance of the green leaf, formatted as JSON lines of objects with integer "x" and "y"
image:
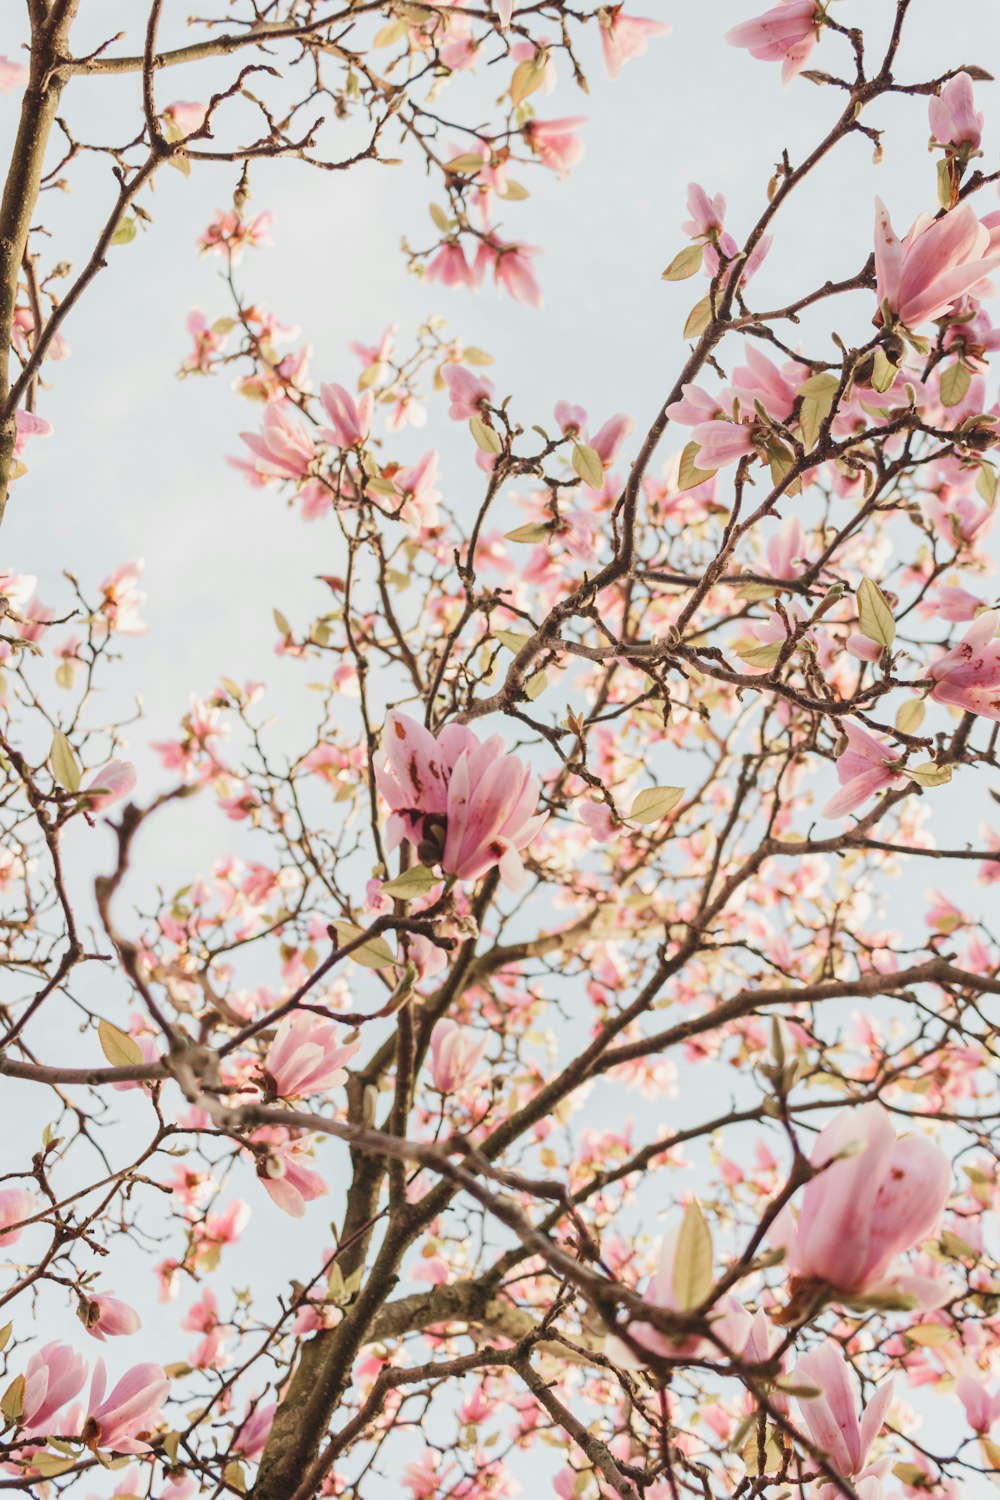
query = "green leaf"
{"x": 698, "y": 318}
{"x": 928, "y": 774}
{"x": 654, "y": 802}
{"x": 884, "y": 371}
{"x": 587, "y": 465}
{"x": 534, "y": 531}
{"x": 955, "y": 382}
{"x": 5, "y": 1333}
{"x": 283, "y": 626}
{"x": 929, "y": 1335}
{"x": 121, "y": 1050}
{"x": 686, "y": 262}
{"x": 440, "y": 218}
{"x": 125, "y": 233}
{"x": 51, "y": 1464}
{"x": 944, "y": 186}
{"x": 688, "y": 474}
{"x": 986, "y": 482}
{"x": 383, "y": 487}
{"x": 12, "y": 1400}
{"x": 375, "y": 954}
{"x": 528, "y": 76}
{"x": 514, "y": 192}
{"x": 874, "y": 615}
{"x": 416, "y": 881}
{"x": 817, "y": 402}
{"x": 63, "y": 763}
{"x": 485, "y": 437}
{"x": 760, "y": 656}
{"x": 467, "y": 162}
{"x": 693, "y": 1269}
{"x": 511, "y": 639}
{"x": 910, "y": 715}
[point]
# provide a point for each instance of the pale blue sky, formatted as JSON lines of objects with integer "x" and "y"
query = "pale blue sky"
{"x": 136, "y": 466}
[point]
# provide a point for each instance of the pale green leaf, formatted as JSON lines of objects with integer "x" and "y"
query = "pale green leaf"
{"x": 693, "y": 1268}
{"x": 874, "y": 615}
{"x": 654, "y": 802}
{"x": 121, "y": 1050}
{"x": 63, "y": 763}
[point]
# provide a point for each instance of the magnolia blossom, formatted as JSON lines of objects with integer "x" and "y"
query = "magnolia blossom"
{"x": 121, "y": 1421}
{"x": 864, "y": 768}
{"x": 283, "y": 448}
{"x": 13, "y": 75}
{"x": 15, "y": 1204}
{"x": 555, "y": 142}
{"x": 939, "y": 261}
{"x": 350, "y": 420}
{"x": 469, "y": 392}
{"x": 786, "y": 34}
{"x": 54, "y": 1375}
{"x": 466, "y": 805}
{"x": 624, "y": 37}
{"x": 968, "y": 675}
{"x": 254, "y": 1433}
{"x": 953, "y": 116}
{"x": 109, "y": 784}
{"x": 832, "y": 1418}
{"x": 186, "y": 116}
{"x": 306, "y": 1056}
{"x": 108, "y": 1317}
{"x": 981, "y": 1408}
{"x": 456, "y": 1053}
{"x": 288, "y": 1181}
{"x": 872, "y": 1198}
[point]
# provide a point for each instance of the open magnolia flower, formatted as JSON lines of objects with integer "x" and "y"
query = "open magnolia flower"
{"x": 872, "y": 1198}
{"x": 465, "y": 804}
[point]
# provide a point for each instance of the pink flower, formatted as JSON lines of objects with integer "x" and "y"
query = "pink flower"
{"x": 785, "y": 551}
{"x": 450, "y": 267}
{"x": 721, "y": 443}
{"x": 786, "y": 34}
{"x": 186, "y": 116}
{"x": 940, "y": 261}
{"x": 288, "y": 1182}
{"x": 511, "y": 269}
{"x": 952, "y": 113}
{"x": 608, "y": 441}
{"x": 469, "y": 393}
{"x": 968, "y": 675}
{"x": 53, "y": 1376}
{"x": 863, "y": 769}
{"x": 875, "y": 1197}
{"x": 832, "y": 1418}
{"x": 456, "y": 1053}
{"x": 466, "y": 805}
{"x": 108, "y": 785}
{"x": 254, "y": 1433}
{"x": 13, "y": 75}
{"x": 108, "y": 1317}
{"x": 707, "y": 214}
{"x": 555, "y": 142}
{"x": 130, "y": 1412}
{"x": 351, "y": 420}
{"x": 305, "y": 1056}
{"x": 624, "y": 37}
{"x": 283, "y": 447}
{"x": 981, "y": 1408}
{"x": 15, "y": 1204}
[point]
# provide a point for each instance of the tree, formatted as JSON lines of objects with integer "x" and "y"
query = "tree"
{"x": 552, "y": 833}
